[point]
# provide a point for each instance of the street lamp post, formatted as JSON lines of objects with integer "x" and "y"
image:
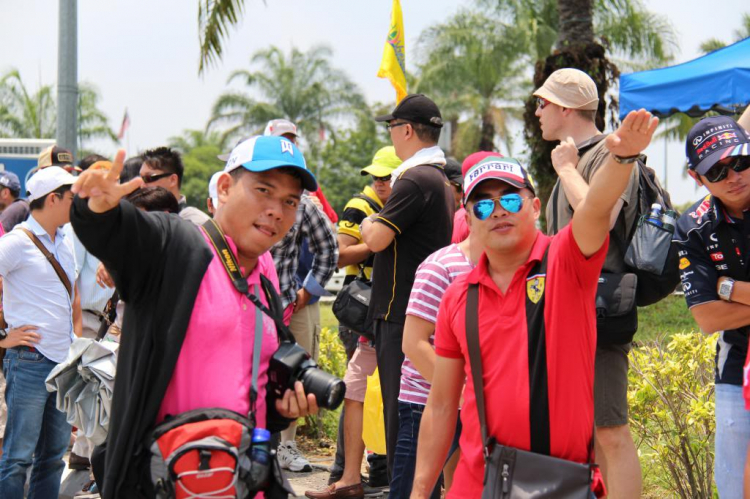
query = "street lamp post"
{"x": 67, "y": 77}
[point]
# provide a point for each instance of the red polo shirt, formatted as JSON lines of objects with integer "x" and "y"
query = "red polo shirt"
{"x": 570, "y": 321}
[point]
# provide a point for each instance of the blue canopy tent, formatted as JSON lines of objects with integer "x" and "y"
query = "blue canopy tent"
{"x": 719, "y": 81}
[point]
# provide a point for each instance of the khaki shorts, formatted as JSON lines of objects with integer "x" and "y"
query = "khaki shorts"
{"x": 611, "y": 385}
{"x": 305, "y": 326}
{"x": 361, "y": 366}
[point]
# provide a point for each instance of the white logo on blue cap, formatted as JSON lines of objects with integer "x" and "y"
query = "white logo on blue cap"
{"x": 287, "y": 146}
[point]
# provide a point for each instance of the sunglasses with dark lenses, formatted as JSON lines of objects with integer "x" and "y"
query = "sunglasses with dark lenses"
{"x": 153, "y": 177}
{"x": 389, "y": 126}
{"x": 512, "y": 203}
{"x": 540, "y": 102}
{"x": 387, "y": 178}
{"x": 718, "y": 172}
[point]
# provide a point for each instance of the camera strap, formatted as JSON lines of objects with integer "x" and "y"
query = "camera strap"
{"x": 219, "y": 242}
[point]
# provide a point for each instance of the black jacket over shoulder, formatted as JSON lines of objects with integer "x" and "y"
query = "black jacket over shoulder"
{"x": 157, "y": 261}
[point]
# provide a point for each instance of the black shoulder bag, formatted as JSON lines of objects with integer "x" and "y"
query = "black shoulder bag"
{"x": 511, "y": 473}
{"x": 353, "y": 301}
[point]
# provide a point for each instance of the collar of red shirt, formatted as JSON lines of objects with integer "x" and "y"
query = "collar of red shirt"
{"x": 481, "y": 275}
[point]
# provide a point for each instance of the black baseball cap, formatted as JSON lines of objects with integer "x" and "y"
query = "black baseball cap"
{"x": 713, "y": 139}
{"x": 452, "y": 170}
{"x": 418, "y": 109}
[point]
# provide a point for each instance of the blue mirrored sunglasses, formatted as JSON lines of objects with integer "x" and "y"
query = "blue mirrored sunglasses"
{"x": 512, "y": 203}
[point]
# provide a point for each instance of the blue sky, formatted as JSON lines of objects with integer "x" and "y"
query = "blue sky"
{"x": 143, "y": 55}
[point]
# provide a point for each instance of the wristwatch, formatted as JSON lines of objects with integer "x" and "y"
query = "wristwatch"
{"x": 3, "y": 334}
{"x": 725, "y": 289}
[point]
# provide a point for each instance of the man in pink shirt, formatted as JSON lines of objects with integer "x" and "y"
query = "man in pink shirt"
{"x": 188, "y": 334}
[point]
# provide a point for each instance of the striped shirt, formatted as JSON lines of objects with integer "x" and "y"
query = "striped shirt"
{"x": 430, "y": 282}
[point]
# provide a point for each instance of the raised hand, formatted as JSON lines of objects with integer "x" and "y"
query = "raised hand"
{"x": 565, "y": 155}
{"x": 634, "y": 134}
{"x": 100, "y": 184}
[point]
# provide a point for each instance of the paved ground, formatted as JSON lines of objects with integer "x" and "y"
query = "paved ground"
{"x": 73, "y": 481}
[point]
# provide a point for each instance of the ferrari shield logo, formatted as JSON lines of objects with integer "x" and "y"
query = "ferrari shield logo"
{"x": 535, "y": 288}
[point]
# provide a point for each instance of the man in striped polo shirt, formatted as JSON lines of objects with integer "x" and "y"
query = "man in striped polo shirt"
{"x": 430, "y": 282}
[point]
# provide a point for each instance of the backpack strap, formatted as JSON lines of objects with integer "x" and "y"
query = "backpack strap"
{"x": 52, "y": 260}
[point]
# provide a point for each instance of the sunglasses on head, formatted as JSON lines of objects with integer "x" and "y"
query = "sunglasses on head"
{"x": 719, "y": 172}
{"x": 512, "y": 203}
{"x": 387, "y": 178}
{"x": 153, "y": 177}
{"x": 541, "y": 102}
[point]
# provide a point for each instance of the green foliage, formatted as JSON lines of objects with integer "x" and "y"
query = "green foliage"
{"x": 200, "y": 163}
{"x": 670, "y": 397}
{"x": 332, "y": 360}
{"x": 215, "y": 17}
{"x": 300, "y": 86}
{"x": 24, "y": 114}
{"x": 472, "y": 67}
{"x": 663, "y": 319}
{"x": 343, "y": 157}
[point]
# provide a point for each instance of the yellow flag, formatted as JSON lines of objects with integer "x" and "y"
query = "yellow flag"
{"x": 393, "y": 65}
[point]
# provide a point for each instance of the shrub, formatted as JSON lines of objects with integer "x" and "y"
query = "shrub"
{"x": 670, "y": 395}
{"x": 332, "y": 360}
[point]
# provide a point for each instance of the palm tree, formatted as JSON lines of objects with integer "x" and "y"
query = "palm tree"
{"x": 192, "y": 139}
{"x": 300, "y": 86}
{"x": 473, "y": 65}
{"x": 24, "y": 114}
{"x": 582, "y": 34}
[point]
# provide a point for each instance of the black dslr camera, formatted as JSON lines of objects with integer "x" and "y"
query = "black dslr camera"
{"x": 291, "y": 363}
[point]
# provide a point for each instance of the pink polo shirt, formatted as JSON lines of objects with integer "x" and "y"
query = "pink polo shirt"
{"x": 216, "y": 358}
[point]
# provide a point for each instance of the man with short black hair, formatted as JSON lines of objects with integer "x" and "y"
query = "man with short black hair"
{"x": 567, "y": 104}
{"x": 187, "y": 341}
{"x": 38, "y": 306}
{"x": 162, "y": 167}
{"x": 416, "y": 221}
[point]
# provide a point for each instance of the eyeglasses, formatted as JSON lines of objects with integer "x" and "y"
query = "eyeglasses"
{"x": 387, "y": 178}
{"x": 719, "y": 172}
{"x": 390, "y": 126}
{"x": 541, "y": 103}
{"x": 512, "y": 203}
{"x": 153, "y": 177}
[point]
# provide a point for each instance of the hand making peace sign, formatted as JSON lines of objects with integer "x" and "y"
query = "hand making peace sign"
{"x": 101, "y": 184}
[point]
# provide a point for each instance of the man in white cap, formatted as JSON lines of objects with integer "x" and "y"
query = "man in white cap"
{"x": 38, "y": 306}
{"x": 567, "y": 105}
{"x": 212, "y": 202}
{"x": 282, "y": 128}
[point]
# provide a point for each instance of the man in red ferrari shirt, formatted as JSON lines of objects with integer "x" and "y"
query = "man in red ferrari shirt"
{"x": 513, "y": 245}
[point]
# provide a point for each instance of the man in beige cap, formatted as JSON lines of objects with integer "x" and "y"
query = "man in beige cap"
{"x": 567, "y": 104}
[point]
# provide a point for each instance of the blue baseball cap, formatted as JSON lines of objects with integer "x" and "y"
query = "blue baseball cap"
{"x": 263, "y": 153}
{"x": 10, "y": 180}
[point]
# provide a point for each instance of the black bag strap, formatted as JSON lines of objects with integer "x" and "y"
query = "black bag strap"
{"x": 375, "y": 207}
{"x": 538, "y": 381}
{"x": 729, "y": 250}
{"x": 219, "y": 242}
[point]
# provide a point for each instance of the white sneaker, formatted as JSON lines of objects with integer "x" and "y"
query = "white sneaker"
{"x": 290, "y": 458}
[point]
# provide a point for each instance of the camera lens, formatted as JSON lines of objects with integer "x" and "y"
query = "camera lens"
{"x": 328, "y": 389}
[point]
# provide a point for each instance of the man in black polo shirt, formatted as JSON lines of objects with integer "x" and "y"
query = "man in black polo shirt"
{"x": 713, "y": 237}
{"x": 416, "y": 221}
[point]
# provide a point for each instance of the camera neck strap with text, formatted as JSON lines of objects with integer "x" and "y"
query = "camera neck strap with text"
{"x": 219, "y": 242}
